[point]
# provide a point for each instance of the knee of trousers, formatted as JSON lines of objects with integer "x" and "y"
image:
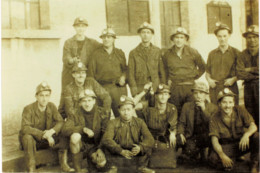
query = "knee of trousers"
{"x": 27, "y": 141}
{"x": 75, "y": 138}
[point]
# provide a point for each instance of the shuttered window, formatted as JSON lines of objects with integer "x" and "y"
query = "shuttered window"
{"x": 125, "y": 16}
{"x": 170, "y": 15}
{"x": 218, "y": 11}
{"x": 25, "y": 14}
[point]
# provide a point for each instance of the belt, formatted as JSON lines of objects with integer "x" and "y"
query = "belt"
{"x": 103, "y": 82}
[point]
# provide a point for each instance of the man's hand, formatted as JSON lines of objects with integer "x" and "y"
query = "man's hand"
{"x": 169, "y": 83}
{"x": 48, "y": 133}
{"x": 183, "y": 139}
{"x": 51, "y": 141}
{"x": 212, "y": 83}
{"x": 136, "y": 149}
{"x": 244, "y": 142}
{"x": 74, "y": 60}
{"x": 226, "y": 161}
{"x": 122, "y": 80}
{"x": 139, "y": 106}
{"x": 127, "y": 154}
{"x": 89, "y": 132}
{"x": 201, "y": 105}
{"x": 230, "y": 81}
{"x": 148, "y": 86}
{"x": 172, "y": 140}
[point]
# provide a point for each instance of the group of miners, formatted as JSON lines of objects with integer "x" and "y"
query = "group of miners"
{"x": 169, "y": 108}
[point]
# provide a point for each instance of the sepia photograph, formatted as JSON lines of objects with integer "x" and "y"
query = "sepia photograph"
{"x": 130, "y": 86}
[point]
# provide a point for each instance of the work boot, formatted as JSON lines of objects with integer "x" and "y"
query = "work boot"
{"x": 77, "y": 159}
{"x": 254, "y": 167}
{"x": 63, "y": 160}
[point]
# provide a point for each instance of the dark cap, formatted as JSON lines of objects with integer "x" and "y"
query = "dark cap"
{"x": 79, "y": 67}
{"x": 162, "y": 88}
{"x": 253, "y": 29}
{"x": 145, "y": 25}
{"x": 87, "y": 93}
{"x": 43, "y": 87}
{"x": 125, "y": 100}
{"x": 80, "y": 20}
{"x": 108, "y": 31}
{"x": 200, "y": 86}
{"x": 225, "y": 92}
{"x": 180, "y": 30}
{"x": 221, "y": 26}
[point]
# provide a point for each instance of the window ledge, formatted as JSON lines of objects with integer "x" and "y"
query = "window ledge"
{"x": 31, "y": 34}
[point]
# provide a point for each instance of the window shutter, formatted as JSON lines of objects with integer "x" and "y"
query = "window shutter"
{"x": 218, "y": 11}
{"x": 117, "y": 15}
{"x": 44, "y": 14}
{"x": 138, "y": 13}
{"x": 170, "y": 20}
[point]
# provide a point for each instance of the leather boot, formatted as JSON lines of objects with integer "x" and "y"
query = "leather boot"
{"x": 254, "y": 167}
{"x": 63, "y": 160}
{"x": 77, "y": 160}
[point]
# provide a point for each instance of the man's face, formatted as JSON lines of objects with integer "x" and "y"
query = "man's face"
{"x": 80, "y": 29}
{"x": 126, "y": 112}
{"x": 179, "y": 40}
{"x": 88, "y": 103}
{"x": 43, "y": 98}
{"x": 99, "y": 158}
{"x": 108, "y": 41}
{"x": 146, "y": 35}
{"x": 199, "y": 96}
{"x": 252, "y": 40}
{"x": 80, "y": 76}
{"x": 163, "y": 98}
{"x": 223, "y": 37}
{"x": 227, "y": 104}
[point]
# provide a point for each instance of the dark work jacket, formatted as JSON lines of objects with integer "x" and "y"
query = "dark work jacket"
{"x": 140, "y": 135}
{"x": 245, "y": 60}
{"x": 186, "y": 120}
{"x": 145, "y": 67}
{"x": 70, "y": 51}
{"x": 76, "y": 123}
{"x": 72, "y": 91}
{"x": 30, "y": 120}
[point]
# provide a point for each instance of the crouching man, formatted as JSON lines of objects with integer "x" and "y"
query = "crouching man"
{"x": 193, "y": 126}
{"x": 128, "y": 137}
{"x": 41, "y": 124}
{"x": 85, "y": 127}
{"x": 233, "y": 133}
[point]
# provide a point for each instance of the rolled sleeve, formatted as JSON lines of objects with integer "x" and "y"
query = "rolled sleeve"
{"x": 213, "y": 128}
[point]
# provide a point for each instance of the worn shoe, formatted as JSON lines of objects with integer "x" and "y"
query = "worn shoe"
{"x": 254, "y": 167}
{"x": 63, "y": 160}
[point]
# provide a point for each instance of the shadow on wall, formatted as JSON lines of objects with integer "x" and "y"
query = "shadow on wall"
{"x": 11, "y": 123}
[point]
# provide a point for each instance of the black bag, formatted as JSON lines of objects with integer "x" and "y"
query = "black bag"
{"x": 163, "y": 156}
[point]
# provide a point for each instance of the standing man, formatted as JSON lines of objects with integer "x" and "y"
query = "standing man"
{"x": 76, "y": 49}
{"x": 221, "y": 64}
{"x": 80, "y": 83}
{"x": 41, "y": 125}
{"x": 183, "y": 65}
{"x": 108, "y": 67}
{"x": 145, "y": 62}
{"x": 128, "y": 137}
{"x": 233, "y": 133}
{"x": 193, "y": 125}
{"x": 86, "y": 127}
{"x": 248, "y": 70}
